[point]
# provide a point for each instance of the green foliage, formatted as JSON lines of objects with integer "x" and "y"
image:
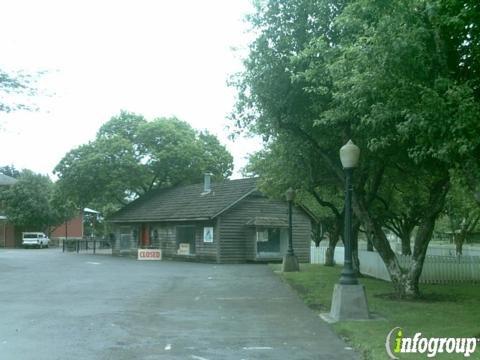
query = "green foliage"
{"x": 10, "y": 170}
{"x": 125, "y": 125}
{"x": 288, "y": 163}
{"x": 461, "y": 21}
{"x": 392, "y": 76}
{"x": 461, "y": 204}
{"x": 462, "y": 211}
{"x": 28, "y": 202}
{"x": 392, "y": 85}
{"x": 63, "y": 208}
{"x": 131, "y": 156}
{"x": 400, "y": 206}
{"x": 375, "y": 71}
{"x": 99, "y": 172}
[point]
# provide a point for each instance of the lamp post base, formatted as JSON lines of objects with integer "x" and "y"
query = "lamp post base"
{"x": 290, "y": 263}
{"x": 349, "y": 302}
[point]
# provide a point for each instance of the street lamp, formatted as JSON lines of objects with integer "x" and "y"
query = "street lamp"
{"x": 349, "y": 301}
{"x": 290, "y": 261}
{"x": 349, "y": 156}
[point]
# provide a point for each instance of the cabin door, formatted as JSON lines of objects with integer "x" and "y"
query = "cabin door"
{"x": 145, "y": 236}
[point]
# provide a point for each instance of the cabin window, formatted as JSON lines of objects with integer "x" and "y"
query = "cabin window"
{"x": 126, "y": 237}
{"x": 185, "y": 239}
{"x": 271, "y": 241}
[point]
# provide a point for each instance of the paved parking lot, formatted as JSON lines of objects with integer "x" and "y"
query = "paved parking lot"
{"x": 74, "y": 306}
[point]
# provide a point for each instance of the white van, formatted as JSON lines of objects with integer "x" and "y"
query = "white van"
{"x": 37, "y": 239}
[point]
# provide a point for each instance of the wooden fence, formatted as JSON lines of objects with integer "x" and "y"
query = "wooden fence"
{"x": 436, "y": 269}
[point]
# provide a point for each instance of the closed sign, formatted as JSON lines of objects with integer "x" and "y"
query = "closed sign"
{"x": 149, "y": 254}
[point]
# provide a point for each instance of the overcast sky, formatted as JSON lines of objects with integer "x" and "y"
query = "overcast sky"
{"x": 156, "y": 58}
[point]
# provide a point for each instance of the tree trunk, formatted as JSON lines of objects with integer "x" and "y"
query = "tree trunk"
{"x": 318, "y": 233}
{"x": 369, "y": 241}
{"x": 424, "y": 234}
{"x": 405, "y": 281}
{"x": 379, "y": 240}
{"x": 406, "y": 248}
{"x": 459, "y": 241}
{"x": 468, "y": 225}
{"x": 402, "y": 226}
{"x": 332, "y": 243}
{"x": 410, "y": 284}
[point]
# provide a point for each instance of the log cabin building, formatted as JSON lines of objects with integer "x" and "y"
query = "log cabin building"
{"x": 224, "y": 222}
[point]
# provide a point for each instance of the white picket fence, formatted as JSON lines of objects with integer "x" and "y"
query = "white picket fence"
{"x": 436, "y": 269}
{"x": 441, "y": 250}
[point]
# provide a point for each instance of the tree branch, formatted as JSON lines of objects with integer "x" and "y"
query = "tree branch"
{"x": 302, "y": 133}
{"x": 376, "y": 182}
{"x": 326, "y": 204}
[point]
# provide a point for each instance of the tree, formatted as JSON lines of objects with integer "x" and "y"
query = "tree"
{"x": 463, "y": 213}
{"x": 28, "y": 202}
{"x": 63, "y": 208}
{"x": 394, "y": 74}
{"x": 174, "y": 153}
{"x": 401, "y": 205}
{"x": 287, "y": 162}
{"x": 328, "y": 71}
{"x": 131, "y": 156}
{"x": 101, "y": 172}
{"x": 12, "y": 85}
{"x": 10, "y": 170}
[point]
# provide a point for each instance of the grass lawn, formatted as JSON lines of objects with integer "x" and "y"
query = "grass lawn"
{"x": 444, "y": 311}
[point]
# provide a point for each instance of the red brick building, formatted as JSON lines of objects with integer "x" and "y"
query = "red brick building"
{"x": 7, "y": 233}
{"x": 8, "y": 236}
{"x": 73, "y": 228}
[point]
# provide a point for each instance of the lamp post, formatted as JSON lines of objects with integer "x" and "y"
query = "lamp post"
{"x": 349, "y": 301}
{"x": 290, "y": 261}
{"x": 349, "y": 156}
{"x": 290, "y": 194}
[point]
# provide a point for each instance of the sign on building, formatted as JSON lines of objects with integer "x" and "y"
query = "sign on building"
{"x": 149, "y": 254}
{"x": 208, "y": 234}
{"x": 183, "y": 249}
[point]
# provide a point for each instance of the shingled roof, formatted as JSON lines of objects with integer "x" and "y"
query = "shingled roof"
{"x": 185, "y": 202}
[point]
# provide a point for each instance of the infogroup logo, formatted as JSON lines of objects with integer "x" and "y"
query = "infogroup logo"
{"x": 397, "y": 344}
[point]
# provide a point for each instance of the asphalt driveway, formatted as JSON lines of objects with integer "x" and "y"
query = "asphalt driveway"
{"x": 70, "y": 306}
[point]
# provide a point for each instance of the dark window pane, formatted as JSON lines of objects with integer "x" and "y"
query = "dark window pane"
{"x": 273, "y": 243}
{"x": 186, "y": 235}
